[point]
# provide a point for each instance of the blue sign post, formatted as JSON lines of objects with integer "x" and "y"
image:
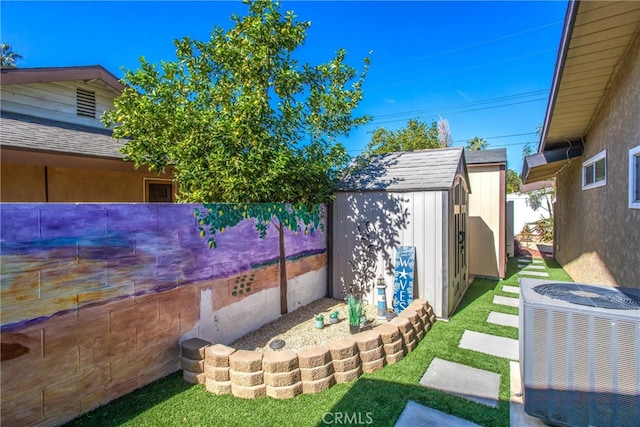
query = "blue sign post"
{"x": 403, "y": 277}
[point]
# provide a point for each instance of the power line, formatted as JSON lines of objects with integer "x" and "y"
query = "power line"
{"x": 462, "y": 70}
{"x": 446, "y": 52}
{"x": 486, "y": 139}
{"x": 374, "y": 122}
{"x": 466, "y": 104}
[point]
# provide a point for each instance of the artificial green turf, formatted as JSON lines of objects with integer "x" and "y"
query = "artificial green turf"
{"x": 374, "y": 399}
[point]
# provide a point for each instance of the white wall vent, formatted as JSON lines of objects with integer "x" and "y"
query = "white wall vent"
{"x": 580, "y": 353}
{"x": 85, "y": 103}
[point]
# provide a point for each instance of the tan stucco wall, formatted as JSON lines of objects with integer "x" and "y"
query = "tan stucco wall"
{"x": 21, "y": 183}
{"x": 26, "y": 183}
{"x": 597, "y": 234}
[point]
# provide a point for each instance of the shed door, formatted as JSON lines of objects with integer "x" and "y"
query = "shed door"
{"x": 459, "y": 249}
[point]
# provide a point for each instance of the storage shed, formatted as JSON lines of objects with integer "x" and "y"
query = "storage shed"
{"x": 487, "y": 213}
{"x": 413, "y": 198}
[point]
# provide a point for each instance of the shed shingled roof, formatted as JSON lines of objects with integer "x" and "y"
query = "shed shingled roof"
{"x": 38, "y": 134}
{"x": 496, "y": 155}
{"x": 407, "y": 171}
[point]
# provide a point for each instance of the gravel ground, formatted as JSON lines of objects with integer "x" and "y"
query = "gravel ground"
{"x": 298, "y": 330}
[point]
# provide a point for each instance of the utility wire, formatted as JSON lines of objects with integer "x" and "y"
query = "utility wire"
{"x": 446, "y": 52}
{"x": 466, "y": 104}
{"x": 375, "y": 122}
{"x": 462, "y": 70}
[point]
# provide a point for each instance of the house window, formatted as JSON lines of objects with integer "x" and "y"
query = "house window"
{"x": 634, "y": 178}
{"x": 594, "y": 171}
{"x": 85, "y": 103}
{"x": 158, "y": 191}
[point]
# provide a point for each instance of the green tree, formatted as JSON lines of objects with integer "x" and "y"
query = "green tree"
{"x": 513, "y": 181}
{"x": 240, "y": 120}
{"x": 416, "y": 135}
{"x": 477, "y": 144}
{"x": 9, "y": 57}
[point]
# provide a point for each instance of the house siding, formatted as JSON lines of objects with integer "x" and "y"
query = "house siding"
{"x": 56, "y": 101}
{"x": 597, "y": 234}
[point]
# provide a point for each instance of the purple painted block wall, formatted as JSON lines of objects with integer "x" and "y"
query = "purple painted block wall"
{"x": 155, "y": 247}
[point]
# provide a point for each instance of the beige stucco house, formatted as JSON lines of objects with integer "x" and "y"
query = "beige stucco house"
{"x": 53, "y": 146}
{"x": 591, "y": 143}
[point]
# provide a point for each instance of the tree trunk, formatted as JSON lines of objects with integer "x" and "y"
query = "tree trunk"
{"x": 283, "y": 271}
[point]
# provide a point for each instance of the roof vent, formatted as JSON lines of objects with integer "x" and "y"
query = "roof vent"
{"x": 86, "y": 103}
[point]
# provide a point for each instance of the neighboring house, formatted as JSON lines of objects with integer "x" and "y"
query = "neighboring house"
{"x": 591, "y": 143}
{"x": 55, "y": 149}
{"x": 412, "y": 198}
{"x": 487, "y": 212}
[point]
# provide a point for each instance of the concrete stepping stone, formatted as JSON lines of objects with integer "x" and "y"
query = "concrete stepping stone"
{"x": 538, "y": 260}
{"x": 503, "y": 319}
{"x": 415, "y": 414}
{"x": 508, "y": 301}
{"x": 533, "y": 273}
{"x": 535, "y": 267}
{"x": 474, "y": 384}
{"x": 494, "y": 345}
{"x": 511, "y": 289}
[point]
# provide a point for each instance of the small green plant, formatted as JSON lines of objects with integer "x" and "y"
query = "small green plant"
{"x": 319, "y": 317}
{"x": 354, "y": 308}
{"x": 334, "y": 315}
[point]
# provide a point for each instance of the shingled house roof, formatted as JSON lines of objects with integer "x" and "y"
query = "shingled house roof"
{"x": 24, "y": 132}
{"x": 422, "y": 170}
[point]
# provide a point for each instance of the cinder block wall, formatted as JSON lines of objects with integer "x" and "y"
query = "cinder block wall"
{"x": 97, "y": 298}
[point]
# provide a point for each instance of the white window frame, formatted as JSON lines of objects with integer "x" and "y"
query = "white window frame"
{"x": 634, "y": 156}
{"x": 592, "y": 161}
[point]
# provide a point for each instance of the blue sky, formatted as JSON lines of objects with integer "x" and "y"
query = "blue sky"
{"x": 486, "y": 67}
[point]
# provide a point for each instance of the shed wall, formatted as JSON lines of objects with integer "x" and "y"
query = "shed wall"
{"x": 401, "y": 219}
{"x": 487, "y": 254}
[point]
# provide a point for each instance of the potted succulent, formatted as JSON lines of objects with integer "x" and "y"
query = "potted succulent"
{"x": 319, "y": 318}
{"x": 333, "y": 317}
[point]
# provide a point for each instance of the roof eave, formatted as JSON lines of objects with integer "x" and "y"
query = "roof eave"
{"x": 570, "y": 18}
{"x": 61, "y": 74}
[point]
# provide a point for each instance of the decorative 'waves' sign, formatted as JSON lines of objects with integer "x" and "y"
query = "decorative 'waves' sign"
{"x": 403, "y": 277}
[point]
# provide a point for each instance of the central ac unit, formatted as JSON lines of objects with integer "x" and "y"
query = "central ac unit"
{"x": 580, "y": 353}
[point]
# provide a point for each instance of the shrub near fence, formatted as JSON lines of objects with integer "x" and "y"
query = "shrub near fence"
{"x": 96, "y": 298}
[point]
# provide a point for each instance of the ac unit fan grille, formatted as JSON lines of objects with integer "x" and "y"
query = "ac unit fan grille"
{"x": 590, "y": 296}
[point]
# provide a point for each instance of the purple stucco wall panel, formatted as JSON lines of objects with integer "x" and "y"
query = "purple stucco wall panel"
{"x": 62, "y": 220}
{"x": 19, "y": 222}
{"x": 120, "y": 215}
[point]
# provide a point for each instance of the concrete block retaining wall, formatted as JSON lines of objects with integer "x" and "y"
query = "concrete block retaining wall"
{"x": 287, "y": 373}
